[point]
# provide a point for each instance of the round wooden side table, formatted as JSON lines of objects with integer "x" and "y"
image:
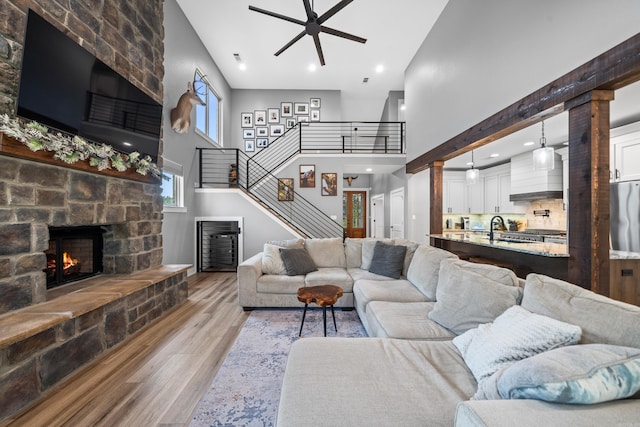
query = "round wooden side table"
{"x": 323, "y": 296}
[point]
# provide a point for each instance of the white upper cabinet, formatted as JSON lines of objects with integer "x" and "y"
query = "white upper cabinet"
{"x": 454, "y": 193}
{"x": 625, "y": 153}
{"x": 497, "y": 189}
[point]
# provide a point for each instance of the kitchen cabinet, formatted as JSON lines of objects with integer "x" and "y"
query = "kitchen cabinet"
{"x": 497, "y": 189}
{"x": 624, "y": 280}
{"x": 475, "y": 193}
{"x": 454, "y": 193}
{"x": 624, "y": 153}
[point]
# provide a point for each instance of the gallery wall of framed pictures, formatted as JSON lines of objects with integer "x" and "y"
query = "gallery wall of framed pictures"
{"x": 261, "y": 127}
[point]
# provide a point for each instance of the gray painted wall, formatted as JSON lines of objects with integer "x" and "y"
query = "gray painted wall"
{"x": 483, "y": 56}
{"x": 183, "y": 52}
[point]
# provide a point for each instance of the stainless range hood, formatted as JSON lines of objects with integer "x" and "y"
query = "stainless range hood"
{"x": 527, "y": 184}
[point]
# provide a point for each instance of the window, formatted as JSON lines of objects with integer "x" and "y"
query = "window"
{"x": 208, "y": 117}
{"x": 172, "y": 187}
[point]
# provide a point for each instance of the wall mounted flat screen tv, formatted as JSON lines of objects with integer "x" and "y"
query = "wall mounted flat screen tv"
{"x": 64, "y": 86}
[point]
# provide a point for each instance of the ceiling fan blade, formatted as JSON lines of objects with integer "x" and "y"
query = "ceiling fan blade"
{"x": 342, "y": 34}
{"x": 277, "y": 15}
{"x": 335, "y": 9}
{"x": 288, "y": 45}
{"x": 316, "y": 40}
{"x": 307, "y": 7}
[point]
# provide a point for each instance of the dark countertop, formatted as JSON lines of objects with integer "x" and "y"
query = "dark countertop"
{"x": 480, "y": 239}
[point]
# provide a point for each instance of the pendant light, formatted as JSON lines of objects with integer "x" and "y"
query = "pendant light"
{"x": 472, "y": 174}
{"x": 543, "y": 157}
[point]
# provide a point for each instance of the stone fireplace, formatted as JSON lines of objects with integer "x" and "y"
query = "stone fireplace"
{"x": 74, "y": 253}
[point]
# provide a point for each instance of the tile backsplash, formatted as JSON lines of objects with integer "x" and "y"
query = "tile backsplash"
{"x": 557, "y": 219}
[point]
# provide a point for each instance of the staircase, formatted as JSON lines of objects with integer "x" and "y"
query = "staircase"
{"x": 255, "y": 175}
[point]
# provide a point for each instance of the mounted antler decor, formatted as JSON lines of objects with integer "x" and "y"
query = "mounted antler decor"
{"x": 181, "y": 114}
{"x": 350, "y": 179}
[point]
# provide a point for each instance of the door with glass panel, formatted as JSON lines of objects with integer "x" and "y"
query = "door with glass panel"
{"x": 354, "y": 213}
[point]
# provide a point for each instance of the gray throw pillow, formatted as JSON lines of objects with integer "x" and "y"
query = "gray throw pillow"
{"x": 388, "y": 260}
{"x": 297, "y": 261}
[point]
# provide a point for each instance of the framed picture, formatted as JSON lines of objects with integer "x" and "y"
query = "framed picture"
{"x": 248, "y": 133}
{"x": 260, "y": 117}
{"x": 249, "y": 145}
{"x": 329, "y": 184}
{"x": 314, "y": 102}
{"x": 262, "y": 142}
{"x": 290, "y": 123}
{"x": 274, "y": 115}
{"x": 301, "y": 108}
{"x": 315, "y": 115}
{"x": 307, "y": 176}
{"x": 286, "y": 109}
{"x": 302, "y": 118}
{"x": 277, "y": 130}
{"x": 285, "y": 189}
{"x": 262, "y": 131}
{"x": 247, "y": 120}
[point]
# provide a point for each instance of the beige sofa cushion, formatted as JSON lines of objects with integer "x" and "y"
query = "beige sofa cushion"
{"x": 365, "y": 291}
{"x": 411, "y": 250}
{"x": 279, "y": 284}
{"x": 405, "y": 320}
{"x": 466, "y": 299}
{"x": 375, "y": 381}
{"x": 603, "y": 320}
{"x": 330, "y": 276}
{"x": 425, "y": 267}
{"x": 353, "y": 252}
{"x": 327, "y": 252}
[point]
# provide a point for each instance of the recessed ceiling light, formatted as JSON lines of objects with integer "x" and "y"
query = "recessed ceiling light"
{"x": 312, "y": 67}
{"x": 242, "y": 66}
{"x": 403, "y": 107}
{"x": 369, "y": 169}
{"x": 494, "y": 155}
{"x": 379, "y": 68}
{"x": 528, "y": 143}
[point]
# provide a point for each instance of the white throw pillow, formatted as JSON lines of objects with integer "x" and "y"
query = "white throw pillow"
{"x": 515, "y": 335}
{"x": 271, "y": 260}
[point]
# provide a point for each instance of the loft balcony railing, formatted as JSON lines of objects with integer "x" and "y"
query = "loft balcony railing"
{"x": 224, "y": 168}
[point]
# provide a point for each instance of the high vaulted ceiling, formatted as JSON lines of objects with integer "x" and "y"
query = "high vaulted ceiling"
{"x": 394, "y": 32}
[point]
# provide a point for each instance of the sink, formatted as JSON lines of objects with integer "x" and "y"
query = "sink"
{"x": 514, "y": 241}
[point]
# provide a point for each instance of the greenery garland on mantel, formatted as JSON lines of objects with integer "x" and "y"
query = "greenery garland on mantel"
{"x": 71, "y": 149}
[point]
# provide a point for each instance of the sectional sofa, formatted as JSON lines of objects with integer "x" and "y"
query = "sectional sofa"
{"x": 456, "y": 343}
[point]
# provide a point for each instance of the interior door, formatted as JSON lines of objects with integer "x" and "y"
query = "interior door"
{"x": 377, "y": 216}
{"x": 397, "y": 214}
{"x": 354, "y": 213}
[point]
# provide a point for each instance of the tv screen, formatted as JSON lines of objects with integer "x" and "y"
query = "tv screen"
{"x": 64, "y": 86}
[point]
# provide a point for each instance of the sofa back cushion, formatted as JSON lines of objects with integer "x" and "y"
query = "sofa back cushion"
{"x": 425, "y": 267}
{"x": 327, "y": 252}
{"x": 467, "y": 296}
{"x": 353, "y": 252}
{"x": 603, "y": 320}
{"x": 411, "y": 250}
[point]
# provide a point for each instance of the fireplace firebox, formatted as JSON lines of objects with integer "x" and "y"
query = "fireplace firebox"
{"x": 74, "y": 253}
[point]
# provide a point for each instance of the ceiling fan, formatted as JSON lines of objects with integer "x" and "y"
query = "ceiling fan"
{"x": 313, "y": 26}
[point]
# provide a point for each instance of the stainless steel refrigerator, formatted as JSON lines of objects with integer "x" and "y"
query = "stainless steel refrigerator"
{"x": 625, "y": 216}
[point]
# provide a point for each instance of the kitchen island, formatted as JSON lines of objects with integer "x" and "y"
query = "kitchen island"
{"x": 522, "y": 257}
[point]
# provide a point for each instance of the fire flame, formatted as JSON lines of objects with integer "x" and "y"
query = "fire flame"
{"x": 68, "y": 261}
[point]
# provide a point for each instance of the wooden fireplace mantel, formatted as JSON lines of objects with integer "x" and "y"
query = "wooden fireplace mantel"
{"x": 11, "y": 147}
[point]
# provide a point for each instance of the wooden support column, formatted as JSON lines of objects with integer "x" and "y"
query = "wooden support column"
{"x": 436, "y": 181}
{"x": 588, "y": 212}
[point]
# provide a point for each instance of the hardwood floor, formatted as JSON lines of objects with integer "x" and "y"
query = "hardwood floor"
{"x": 158, "y": 377}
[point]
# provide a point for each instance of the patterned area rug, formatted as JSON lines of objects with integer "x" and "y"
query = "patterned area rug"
{"x": 246, "y": 389}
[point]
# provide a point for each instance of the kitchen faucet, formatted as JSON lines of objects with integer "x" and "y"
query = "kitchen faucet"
{"x": 491, "y": 226}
